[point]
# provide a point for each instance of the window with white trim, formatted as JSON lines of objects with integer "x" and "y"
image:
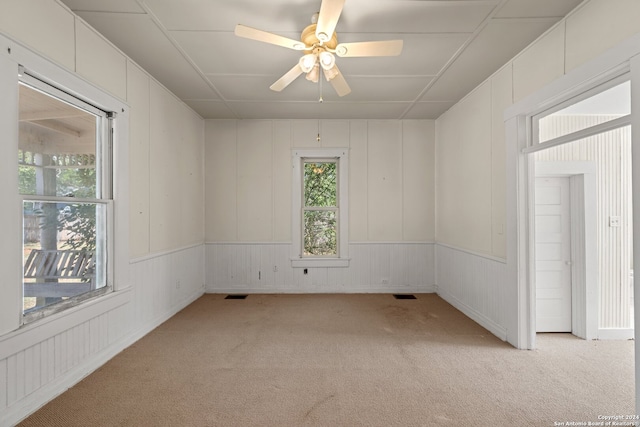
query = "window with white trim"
{"x": 64, "y": 166}
{"x": 320, "y": 218}
{"x": 600, "y": 109}
{"x": 320, "y": 210}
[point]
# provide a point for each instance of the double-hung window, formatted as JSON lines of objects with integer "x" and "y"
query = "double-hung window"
{"x": 320, "y": 218}
{"x": 320, "y": 209}
{"x": 64, "y": 166}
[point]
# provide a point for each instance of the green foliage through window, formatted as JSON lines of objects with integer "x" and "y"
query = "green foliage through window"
{"x": 320, "y": 208}
{"x": 320, "y": 184}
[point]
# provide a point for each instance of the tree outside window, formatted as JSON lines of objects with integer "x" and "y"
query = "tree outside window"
{"x": 320, "y": 211}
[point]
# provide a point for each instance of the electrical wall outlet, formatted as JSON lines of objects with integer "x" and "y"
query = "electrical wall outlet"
{"x": 614, "y": 221}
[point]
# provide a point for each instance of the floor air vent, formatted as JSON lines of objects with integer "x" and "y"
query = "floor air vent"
{"x": 235, "y": 297}
{"x": 404, "y": 296}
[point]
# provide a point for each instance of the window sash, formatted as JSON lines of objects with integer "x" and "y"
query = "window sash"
{"x": 335, "y": 209}
{"x": 335, "y": 189}
{"x": 103, "y": 136}
{"x": 321, "y": 208}
{"x": 103, "y": 282}
{"x": 335, "y": 228}
{"x": 103, "y": 197}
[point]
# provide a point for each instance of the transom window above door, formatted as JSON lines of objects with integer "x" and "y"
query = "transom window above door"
{"x": 603, "y": 108}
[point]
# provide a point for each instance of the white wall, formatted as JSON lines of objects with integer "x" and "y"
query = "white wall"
{"x": 463, "y": 165}
{"x": 248, "y": 205}
{"x": 159, "y": 200}
{"x": 266, "y": 268}
{"x": 591, "y": 29}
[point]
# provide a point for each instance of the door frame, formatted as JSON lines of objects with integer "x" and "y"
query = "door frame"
{"x": 621, "y": 59}
{"x": 584, "y": 251}
{"x": 624, "y": 57}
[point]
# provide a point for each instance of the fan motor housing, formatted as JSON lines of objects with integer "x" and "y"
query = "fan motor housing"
{"x": 309, "y": 38}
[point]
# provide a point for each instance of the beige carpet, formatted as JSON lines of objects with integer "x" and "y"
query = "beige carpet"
{"x": 344, "y": 360}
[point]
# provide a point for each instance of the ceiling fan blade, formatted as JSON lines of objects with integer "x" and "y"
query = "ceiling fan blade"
{"x": 264, "y": 36}
{"x": 286, "y": 80}
{"x": 330, "y": 11}
{"x": 340, "y": 84}
{"x": 379, "y": 48}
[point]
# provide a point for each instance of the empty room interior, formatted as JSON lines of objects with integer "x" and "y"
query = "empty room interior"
{"x": 319, "y": 212}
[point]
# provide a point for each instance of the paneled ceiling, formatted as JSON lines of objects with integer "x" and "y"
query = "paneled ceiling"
{"x": 450, "y": 46}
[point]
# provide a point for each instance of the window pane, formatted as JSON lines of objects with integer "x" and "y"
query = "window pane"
{"x": 601, "y": 108}
{"x": 57, "y": 147}
{"x": 320, "y": 233}
{"x": 320, "y": 184}
{"x": 62, "y": 252}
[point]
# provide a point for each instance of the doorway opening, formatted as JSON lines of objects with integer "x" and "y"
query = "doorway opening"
{"x": 581, "y": 216}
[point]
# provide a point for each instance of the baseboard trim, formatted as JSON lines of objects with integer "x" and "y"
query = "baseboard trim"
{"x": 615, "y": 334}
{"x": 251, "y": 290}
{"x": 479, "y": 318}
{"x": 22, "y": 409}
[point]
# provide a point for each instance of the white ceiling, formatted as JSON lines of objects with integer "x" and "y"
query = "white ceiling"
{"x": 450, "y": 46}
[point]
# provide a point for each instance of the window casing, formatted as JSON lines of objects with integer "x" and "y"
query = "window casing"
{"x": 320, "y": 208}
{"x": 65, "y": 184}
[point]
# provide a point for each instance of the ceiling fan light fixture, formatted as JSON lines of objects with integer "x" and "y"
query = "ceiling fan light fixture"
{"x": 313, "y": 75}
{"x": 319, "y": 44}
{"x": 327, "y": 60}
{"x": 307, "y": 62}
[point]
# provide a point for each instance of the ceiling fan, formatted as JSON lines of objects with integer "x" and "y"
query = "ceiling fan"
{"x": 319, "y": 43}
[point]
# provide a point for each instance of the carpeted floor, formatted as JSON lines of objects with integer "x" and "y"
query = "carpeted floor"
{"x": 344, "y": 360}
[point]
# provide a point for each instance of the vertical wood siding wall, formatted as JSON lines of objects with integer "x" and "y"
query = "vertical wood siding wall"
{"x": 166, "y": 189}
{"x": 576, "y": 39}
{"x": 45, "y": 360}
{"x": 474, "y": 284}
{"x": 611, "y": 151}
{"x": 248, "y": 179}
{"x": 249, "y": 205}
{"x": 374, "y": 267}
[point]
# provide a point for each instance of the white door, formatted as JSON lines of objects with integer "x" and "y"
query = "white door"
{"x": 553, "y": 255}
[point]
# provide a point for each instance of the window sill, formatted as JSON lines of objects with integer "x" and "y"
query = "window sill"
{"x": 319, "y": 262}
